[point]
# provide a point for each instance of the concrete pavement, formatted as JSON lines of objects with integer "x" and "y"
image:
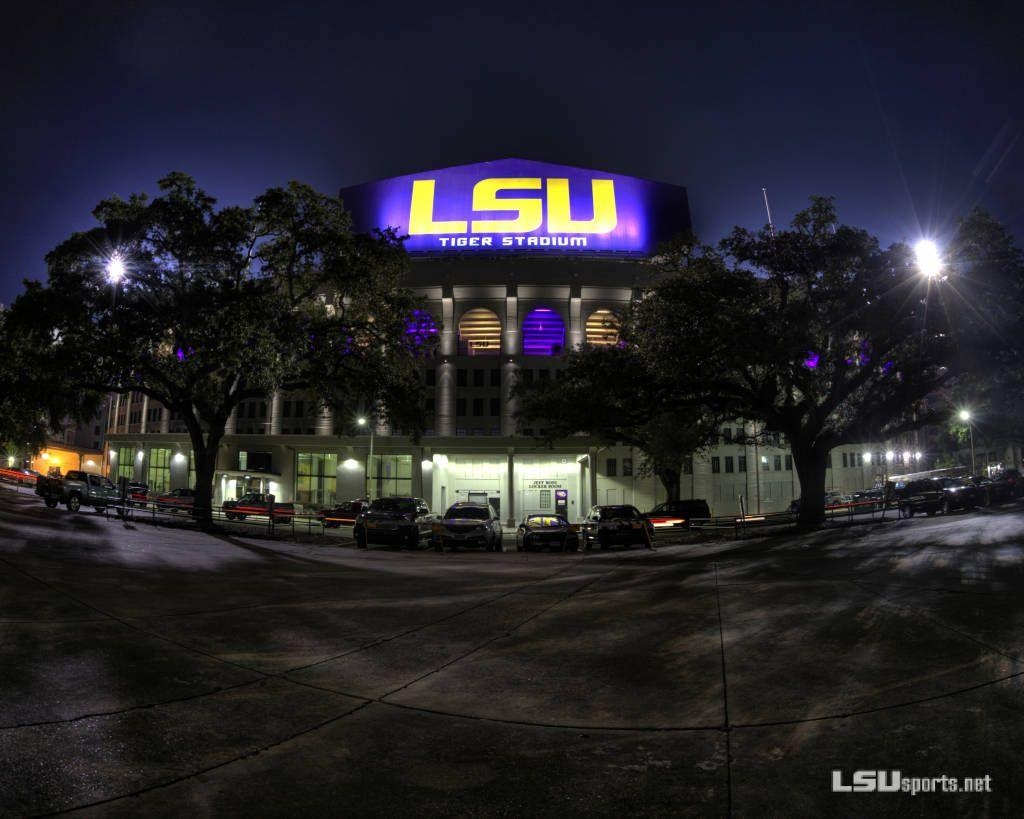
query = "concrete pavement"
{"x": 158, "y": 671}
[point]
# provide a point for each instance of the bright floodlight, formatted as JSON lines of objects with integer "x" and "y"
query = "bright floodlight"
{"x": 361, "y": 421}
{"x": 115, "y": 267}
{"x": 965, "y": 415}
{"x": 928, "y": 261}
{"x": 889, "y": 455}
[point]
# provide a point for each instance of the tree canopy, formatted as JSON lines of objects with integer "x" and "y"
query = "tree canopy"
{"x": 815, "y": 332}
{"x": 216, "y": 306}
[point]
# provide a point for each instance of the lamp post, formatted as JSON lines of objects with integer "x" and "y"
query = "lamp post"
{"x": 361, "y": 420}
{"x": 115, "y": 272}
{"x": 965, "y": 415}
{"x": 889, "y": 455}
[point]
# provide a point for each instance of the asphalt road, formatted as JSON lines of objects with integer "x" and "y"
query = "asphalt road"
{"x": 154, "y": 671}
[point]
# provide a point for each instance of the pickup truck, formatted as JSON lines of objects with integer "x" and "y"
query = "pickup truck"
{"x": 77, "y": 489}
{"x": 256, "y": 503}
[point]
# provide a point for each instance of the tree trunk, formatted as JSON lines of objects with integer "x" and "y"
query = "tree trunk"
{"x": 810, "y": 461}
{"x": 670, "y": 479}
{"x": 206, "y": 449}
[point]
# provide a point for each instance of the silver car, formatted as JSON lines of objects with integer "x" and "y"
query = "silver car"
{"x": 468, "y": 524}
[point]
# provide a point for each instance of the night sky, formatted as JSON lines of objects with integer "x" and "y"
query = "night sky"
{"x": 908, "y": 113}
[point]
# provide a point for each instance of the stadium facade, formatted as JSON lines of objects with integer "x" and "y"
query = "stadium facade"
{"x": 516, "y": 261}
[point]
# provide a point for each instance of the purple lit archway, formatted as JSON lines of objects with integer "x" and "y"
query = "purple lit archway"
{"x": 543, "y": 332}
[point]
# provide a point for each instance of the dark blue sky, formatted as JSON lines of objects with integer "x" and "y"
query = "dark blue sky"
{"x": 908, "y": 113}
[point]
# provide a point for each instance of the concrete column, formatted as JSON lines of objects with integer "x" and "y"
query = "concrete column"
{"x": 427, "y": 476}
{"x": 417, "y": 473}
{"x": 592, "y": 464}
{"x": 576, "y": 326}
{"x": 450, "y": 333}
{"x": 165, "y": 420}
{"x": 275, "y": 413}
{"x": 145, "y": 411}
{"x": 117, "y": 414}
{"x": 444, "y": 410}
{"x": 510, "y": 492}
{"x": 513, "y": 338}
{"x": 509, "y": 405}
{"x": 325, "y": 421}
{"x": 229, "y": 426}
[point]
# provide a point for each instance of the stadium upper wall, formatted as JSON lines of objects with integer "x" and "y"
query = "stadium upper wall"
{"x": 519, "y": 208}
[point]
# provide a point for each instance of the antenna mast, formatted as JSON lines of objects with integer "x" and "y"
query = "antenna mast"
{"x": 771, "y": 226}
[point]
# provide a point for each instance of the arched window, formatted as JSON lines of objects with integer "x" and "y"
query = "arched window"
{"x": 479, "y": 333}
{"x": 602, "y": 328}
{"x": 543, "y": 332}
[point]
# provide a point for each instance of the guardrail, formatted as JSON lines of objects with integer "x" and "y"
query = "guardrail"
{"x": 844, "y": 512}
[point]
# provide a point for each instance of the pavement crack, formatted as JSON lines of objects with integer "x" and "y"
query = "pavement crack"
{"x": 726, "y": 728}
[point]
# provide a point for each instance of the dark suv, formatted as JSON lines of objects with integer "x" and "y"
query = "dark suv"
{"x": 620, "y": 523}
{"x": 931, "y": 495}
{"x": 397, "y": 520}
{"x": 678, "y": 513}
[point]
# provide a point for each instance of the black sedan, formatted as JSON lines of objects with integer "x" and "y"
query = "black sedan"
{"x": 550, "y": 531}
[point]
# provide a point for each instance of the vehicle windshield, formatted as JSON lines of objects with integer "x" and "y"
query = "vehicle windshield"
{"x": 403, "y": 505}
{"x": 471, "y": 512}
{"x": 544, "y": 520}
{"x": 608, "y": 512}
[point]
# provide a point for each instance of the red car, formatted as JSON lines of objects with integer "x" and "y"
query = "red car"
{"x": 176, "y": 499}
{"x": 256, "y": 503}
{"x": 344, "y": 514}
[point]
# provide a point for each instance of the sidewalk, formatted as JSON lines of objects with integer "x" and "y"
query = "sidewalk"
{"x": 155, "y": 672}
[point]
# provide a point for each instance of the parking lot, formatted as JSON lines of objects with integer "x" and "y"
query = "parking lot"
{"x": 154, "y": 670}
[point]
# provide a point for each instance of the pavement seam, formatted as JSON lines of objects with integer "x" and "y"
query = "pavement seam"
{"x": 495, "y": 638}
{"x": 726, "y": 728}
{"x": 422, "y": 626}
{"x": 193, "y": 774}
{"x": 145, "y": 706}
{"x": 107, "y": 617}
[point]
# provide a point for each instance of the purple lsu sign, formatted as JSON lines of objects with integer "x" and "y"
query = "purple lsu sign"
{"x": 521, "y": 206}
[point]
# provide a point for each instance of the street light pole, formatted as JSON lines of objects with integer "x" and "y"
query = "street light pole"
{"x": 965, "y": 415}
{"x": 369, "y": 460}
{"x": 115, "y": 272}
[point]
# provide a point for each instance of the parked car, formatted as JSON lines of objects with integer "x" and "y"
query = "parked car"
{"x": 468, "y": 524}
{"x": 999, "y": 487}
{"x": 621, "y": 523}
{"x": 19, "y": 476}
{"x": 176, "y": 499}
{"x": 77, "y": 489}
{"x": 931, "y": 495}
{"x": 1012, "y": 478}
{"x": 539, "y": 531}
{"x": 400, "y": 520}
{"x": 834, "y": 499}
{"x": 344, "y": 514}
{"x": 257, "y": 503}
{"x": 678, "y": 513}
{"x": 868, "y": 498}
{"x": 136, "y": 493}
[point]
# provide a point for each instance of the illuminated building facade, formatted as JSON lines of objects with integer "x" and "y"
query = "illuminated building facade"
{"x": 516, "y": 262}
